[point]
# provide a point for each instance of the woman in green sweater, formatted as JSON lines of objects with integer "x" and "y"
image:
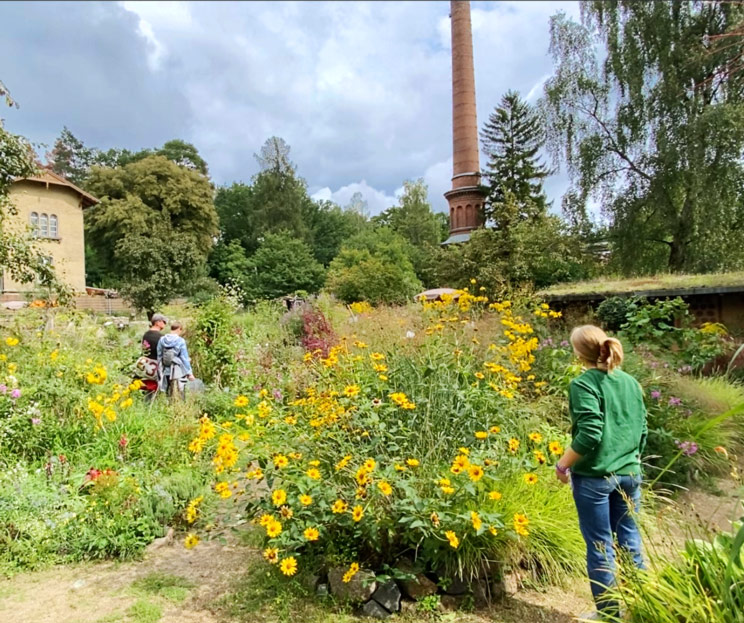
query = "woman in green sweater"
{"x": 604, "y": 459}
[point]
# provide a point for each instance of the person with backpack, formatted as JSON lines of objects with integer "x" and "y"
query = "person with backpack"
{"x": 174, "y": 364}
{"x": 146, "y": 367}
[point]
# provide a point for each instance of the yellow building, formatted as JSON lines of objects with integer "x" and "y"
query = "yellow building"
{"x": 52, "y": 208}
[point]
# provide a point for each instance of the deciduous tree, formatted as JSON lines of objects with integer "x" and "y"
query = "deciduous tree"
{"x": 655, "y": 129}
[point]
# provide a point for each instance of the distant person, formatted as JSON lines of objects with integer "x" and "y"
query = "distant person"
{"x": 174, "y": 364}
{"x": 152, "y": 336}
{"x": 146, "y": 367}
{"x": 609, "y": 432}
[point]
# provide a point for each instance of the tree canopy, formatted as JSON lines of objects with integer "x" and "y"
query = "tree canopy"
{"x": 153, "y": 228}
{"x": 654, "y": 128}
{"x": 511, "y": 139}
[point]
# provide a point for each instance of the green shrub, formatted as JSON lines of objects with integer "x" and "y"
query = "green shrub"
{"x": 613, "y": 312}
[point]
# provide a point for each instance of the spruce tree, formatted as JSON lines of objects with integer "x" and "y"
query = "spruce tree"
{"x": 512, "y": 138}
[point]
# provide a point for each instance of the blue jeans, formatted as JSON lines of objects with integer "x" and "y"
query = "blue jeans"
{"x": 604, "y": 509}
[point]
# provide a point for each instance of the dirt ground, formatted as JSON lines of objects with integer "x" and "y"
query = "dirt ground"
{"x": 111, "y": 592}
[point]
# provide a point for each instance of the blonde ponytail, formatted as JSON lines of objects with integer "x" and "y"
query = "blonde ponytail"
{"x": 593, "y": 346}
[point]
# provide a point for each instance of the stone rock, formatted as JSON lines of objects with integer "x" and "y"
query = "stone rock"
{"x": 452, "y": 602}
{"x": 510, "y": 582}
{"x": 388, "y": 596}
{"x": 78, "y": 584}
{"x": 374, "y": 610}
{"x": 322, "y": 590}
{"x": 456, "y": 587}
{"x": 359, "y": 589}
{"x": 161, "y": 542}
{"x": 311, "y": 582}
{"x": 481, "y": 594}
{"x": 418, "y": 587}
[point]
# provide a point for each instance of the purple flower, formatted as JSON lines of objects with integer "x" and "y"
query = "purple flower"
{"x": 688, "y": 447}
{"x": 656, "y": 394}
{"x": 16, "y": 393}
{"x": 674, "y": 401}
{"x": 35, "y": 421}
{"x": 564, "y": 343}
{"x": 3, "y": 389}
{"x": 277, "y": 394}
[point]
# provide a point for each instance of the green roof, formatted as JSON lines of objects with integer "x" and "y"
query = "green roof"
{"x": 659, "y": 285}
{"x": 457, "y": 238}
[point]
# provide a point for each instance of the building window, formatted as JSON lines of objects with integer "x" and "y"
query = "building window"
{"x": 34, "y": 223}
{"x": 44, "y": 225}
{"x": 53, "y": 226}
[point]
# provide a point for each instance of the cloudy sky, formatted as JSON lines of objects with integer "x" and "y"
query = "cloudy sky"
{"x": 360, "y": 90}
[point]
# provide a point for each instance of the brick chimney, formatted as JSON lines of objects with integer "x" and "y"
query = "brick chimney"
{"x": 466, "y": 197}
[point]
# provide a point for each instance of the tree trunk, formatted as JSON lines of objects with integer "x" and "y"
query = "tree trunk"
{"x": 677, "y": 255}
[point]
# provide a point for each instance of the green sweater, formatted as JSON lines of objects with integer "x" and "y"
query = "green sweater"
{"x": 608, "y": 423}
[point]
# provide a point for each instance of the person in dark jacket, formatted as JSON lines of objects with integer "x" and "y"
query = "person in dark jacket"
{"x": 609, "y": 431}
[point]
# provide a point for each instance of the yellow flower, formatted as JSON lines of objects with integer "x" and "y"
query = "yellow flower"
{"x": 377, "y": 357}
{"x": 241, "y": 401}
{"x": 311, "y": 534}
{"x": 384, "y": 487}
{"x": 382, "y": 377}
{"x": 480, "y": 375}
{"x": 476, "y": 520}
{"x": 494, "y": 495}
{"x": 288, "y": 566}
{"x": 357, "y": 513}
{"x": 306, "y": 500}
{"x": 271, "y": 555}
{"x": 452, "y": 538}
{"x": 520, "y": 523}
{"x": 530, "y": 479}
{"x": 11, "y": 341}
{"x": 400, "y": 468}
{"x": 191, "y": 541}
{"x": 339, "y": 507}
{"x": 369, "y": 464}
{"x": 513, "y": 445}
{"x": 265, "y": 520}
{"x": 273, "y": 529}
{"x": 223, "y": 489}
{"x": 313, "y": 473}
{"x": 535, "y": 437}
{"x": 434, "y": 519}
{"x": 447, "y": 490}
{"x": 475, "y": 472}
{"x": 481, "y": 434}
{"x": 555, "y": 448}
{"x": 351, "y": 390}
{"x": 353, "y": 570}
{"x": 493, "y": 530}
{"x": 540, "y": 457}
{"x": 460, "y": 464}
{"x": 464, "y": 451}
{"x": 314, "y": 463}
{"x": 495, "y": 429}
{"x": 286, "y": 512}
{"x": 343, "y": 462}
{"x": 279, "y": 497}
{"x": 412, "y": 462}
{"x": 280, "y": 461}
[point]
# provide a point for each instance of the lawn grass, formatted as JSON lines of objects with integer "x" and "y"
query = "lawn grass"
{"x": 619, "y": 285}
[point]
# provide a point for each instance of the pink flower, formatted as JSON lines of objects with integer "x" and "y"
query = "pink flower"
{"x": 656, "y": 394}
{"x": 123, "y": 442}
{"x": 35, "y": 421}
{"x": 16, "y": 393}
{"x": 674, "y": 401}
{"x": 3, "y": 389}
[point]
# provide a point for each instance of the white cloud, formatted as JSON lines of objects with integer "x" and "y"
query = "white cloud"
{"x": 360, "y": 90}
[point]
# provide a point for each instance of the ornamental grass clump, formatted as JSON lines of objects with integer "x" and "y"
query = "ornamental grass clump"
{"x": 428, "y": 450}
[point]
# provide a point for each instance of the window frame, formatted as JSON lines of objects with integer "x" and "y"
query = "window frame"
{"x": 53, "y": 219}
{"x": 44, "y": 225}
